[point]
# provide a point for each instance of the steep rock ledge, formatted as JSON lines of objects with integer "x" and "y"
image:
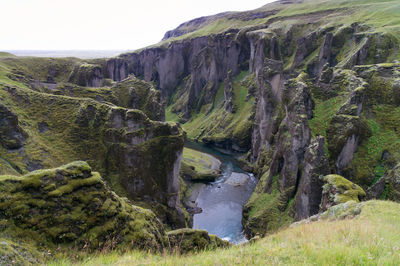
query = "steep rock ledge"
{"x": 139, "y": 158}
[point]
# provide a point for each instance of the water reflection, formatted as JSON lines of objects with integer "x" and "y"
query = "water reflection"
{"x": 222, "y": 205}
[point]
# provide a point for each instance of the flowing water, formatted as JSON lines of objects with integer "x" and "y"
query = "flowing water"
{"x": 222, "y": 201}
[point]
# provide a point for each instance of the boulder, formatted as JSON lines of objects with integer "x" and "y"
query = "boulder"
{"x": 188, "y": 240}
{"x": 237, "y": 179}
{"x": 337, "y": 190}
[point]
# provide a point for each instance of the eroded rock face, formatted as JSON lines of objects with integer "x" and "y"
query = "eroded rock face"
{"x": 292, "y": 137}
{"x": 139, "y": 158}
{"x": 393, "y": 183}
{"x": 12, "y": 136}
{"x": 89, "y": 75}
{"x": 347, "y": 128}
{"x": 72, "y": 204}
{"x": 309, "y": 192}
{"x": 199, "y": 65}
{"x": 134, "y": 93}
{"x": 145, "y": 158}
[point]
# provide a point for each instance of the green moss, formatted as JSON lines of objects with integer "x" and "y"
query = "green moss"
{"x": 231, "y": 127}
{"x": 384, "y": 137}
{"x": 345, "y": 190}
{"x": 323, "y": 113}
{"x": 349, "y": 209}
{"x": 325, "y": 242}
{"x": 85, "y": 129}
{"x": 80, "y": 211}
{"x": 75, "y": 184}
{"x": 267, "y": 212}
{"x": 19, "y": 253}
{"x": 191, "y": 240}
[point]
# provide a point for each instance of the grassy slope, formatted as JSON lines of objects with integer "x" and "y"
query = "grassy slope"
{"x": 382, "y": 16}
{"x": 372, "y": 238}
{"x": 202, "y": 162}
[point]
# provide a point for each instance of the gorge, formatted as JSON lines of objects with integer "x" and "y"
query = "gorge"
{"x": 251, "y": 125}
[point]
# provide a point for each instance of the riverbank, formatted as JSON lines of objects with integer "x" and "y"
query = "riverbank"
{"x": 217, "y": 204}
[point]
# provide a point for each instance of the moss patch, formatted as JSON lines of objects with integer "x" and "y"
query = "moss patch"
{"x": 191, "y": 240}
{"x": 198, "y": 166}
{"x": 339, "y": 190}
{"x": 71, "y": 206}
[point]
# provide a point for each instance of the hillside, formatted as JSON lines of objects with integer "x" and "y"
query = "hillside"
{"x": 370, "y": 238}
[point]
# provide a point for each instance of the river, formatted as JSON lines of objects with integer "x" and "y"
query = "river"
{"x": 222, "y": 201}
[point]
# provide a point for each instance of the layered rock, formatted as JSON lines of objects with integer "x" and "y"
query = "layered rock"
{"x": 347, "y": 128}
{"x": 196, "y": 66}
{"x": 309, "y": 194}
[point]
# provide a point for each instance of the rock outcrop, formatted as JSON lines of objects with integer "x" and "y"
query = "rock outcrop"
{"x": 12, "y": 135}
{"x": 268, "y": 87}
{"x": 191, "y": 240}
{"x": 89, "y": 75}
{"x": 309, "y": 194}
{"x": 138, "y": 157}
{"x": 393, "y": 184}
{"x": 72, "y": 205}
{"x": 337, "y": 190}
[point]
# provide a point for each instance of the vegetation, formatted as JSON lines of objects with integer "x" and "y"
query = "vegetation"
{"x": 266, "y": 212}
{"x": 232, "y": 126}
{"x": 341, "y": 190}
{"x": 371, "y": 238}
{"x": 112, "y": 125}
{"x": 198, "y": 166}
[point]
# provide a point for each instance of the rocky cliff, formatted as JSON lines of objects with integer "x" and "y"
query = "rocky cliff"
{"x": 294, "y": 89}
{"x": 138, "y": 157}
{"x": 300, "y": 89}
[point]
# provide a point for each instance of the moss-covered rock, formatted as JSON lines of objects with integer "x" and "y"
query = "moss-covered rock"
{"x": 347, "y": 210}
{"x": 134, "y": 93}
{"x": 266, "y": 212}
{"x": 139, "y": 158}
{"x": 199, "y": 167}
{"x": 86, "y": 74}
{"x": 189, "y": 240}
{"x": 71, "y": 206}
{"x": 12, "y": 135}
{"x": 337, "y": 190}
{"x": 393, "y": 184}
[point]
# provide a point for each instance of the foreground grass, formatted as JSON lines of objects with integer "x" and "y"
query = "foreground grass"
{"x": 372, "y": 238}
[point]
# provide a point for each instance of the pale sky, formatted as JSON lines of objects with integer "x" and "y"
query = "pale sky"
{"x": 100, "y": 24}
